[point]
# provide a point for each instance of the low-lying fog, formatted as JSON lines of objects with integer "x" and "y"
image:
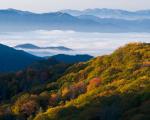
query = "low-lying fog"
{"x": 82, "y": 43}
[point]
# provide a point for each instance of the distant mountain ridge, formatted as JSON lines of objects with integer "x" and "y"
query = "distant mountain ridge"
{"x": 94, "y": 20}
{"x": 31, "y": 46}
{"x": 111, "y": 13}
{"x": 14, "y": 11}
{"x": 27, "y": 46}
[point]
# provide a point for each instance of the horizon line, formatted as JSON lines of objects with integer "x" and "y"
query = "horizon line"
{"x": 32, "y": 11}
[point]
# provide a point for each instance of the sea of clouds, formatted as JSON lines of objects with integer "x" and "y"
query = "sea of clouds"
{"x": 81, "y": 42}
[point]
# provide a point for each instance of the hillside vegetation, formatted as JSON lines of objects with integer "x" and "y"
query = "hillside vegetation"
{"x": 109, "y": 87}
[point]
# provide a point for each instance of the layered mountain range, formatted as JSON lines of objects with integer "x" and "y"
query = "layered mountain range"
{"x": 91, "y": 20}
{"x": 12, "y": 59}
{"x": 111, "y": 13}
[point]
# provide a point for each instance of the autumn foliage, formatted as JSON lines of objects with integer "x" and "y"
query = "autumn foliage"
{"x": 109, "y": 87}
{"x": 95, "y": 82}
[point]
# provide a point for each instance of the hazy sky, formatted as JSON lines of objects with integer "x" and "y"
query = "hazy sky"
{"x": 53, "y": 5}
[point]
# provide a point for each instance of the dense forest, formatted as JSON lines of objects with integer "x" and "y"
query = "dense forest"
{"x": 109, "y": 87}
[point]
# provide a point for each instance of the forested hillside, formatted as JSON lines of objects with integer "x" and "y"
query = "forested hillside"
{"x": 36, "y": 76}
{"x": 109, "y": 87}
{"x": 71, "y": 58}
{"x": 14, "y": 60}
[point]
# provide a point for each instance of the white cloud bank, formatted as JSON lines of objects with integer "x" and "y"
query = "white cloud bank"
{"x": 82, "y": 43}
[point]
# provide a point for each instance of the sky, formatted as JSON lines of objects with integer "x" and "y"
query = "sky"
{"x": 54, "y": 5}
